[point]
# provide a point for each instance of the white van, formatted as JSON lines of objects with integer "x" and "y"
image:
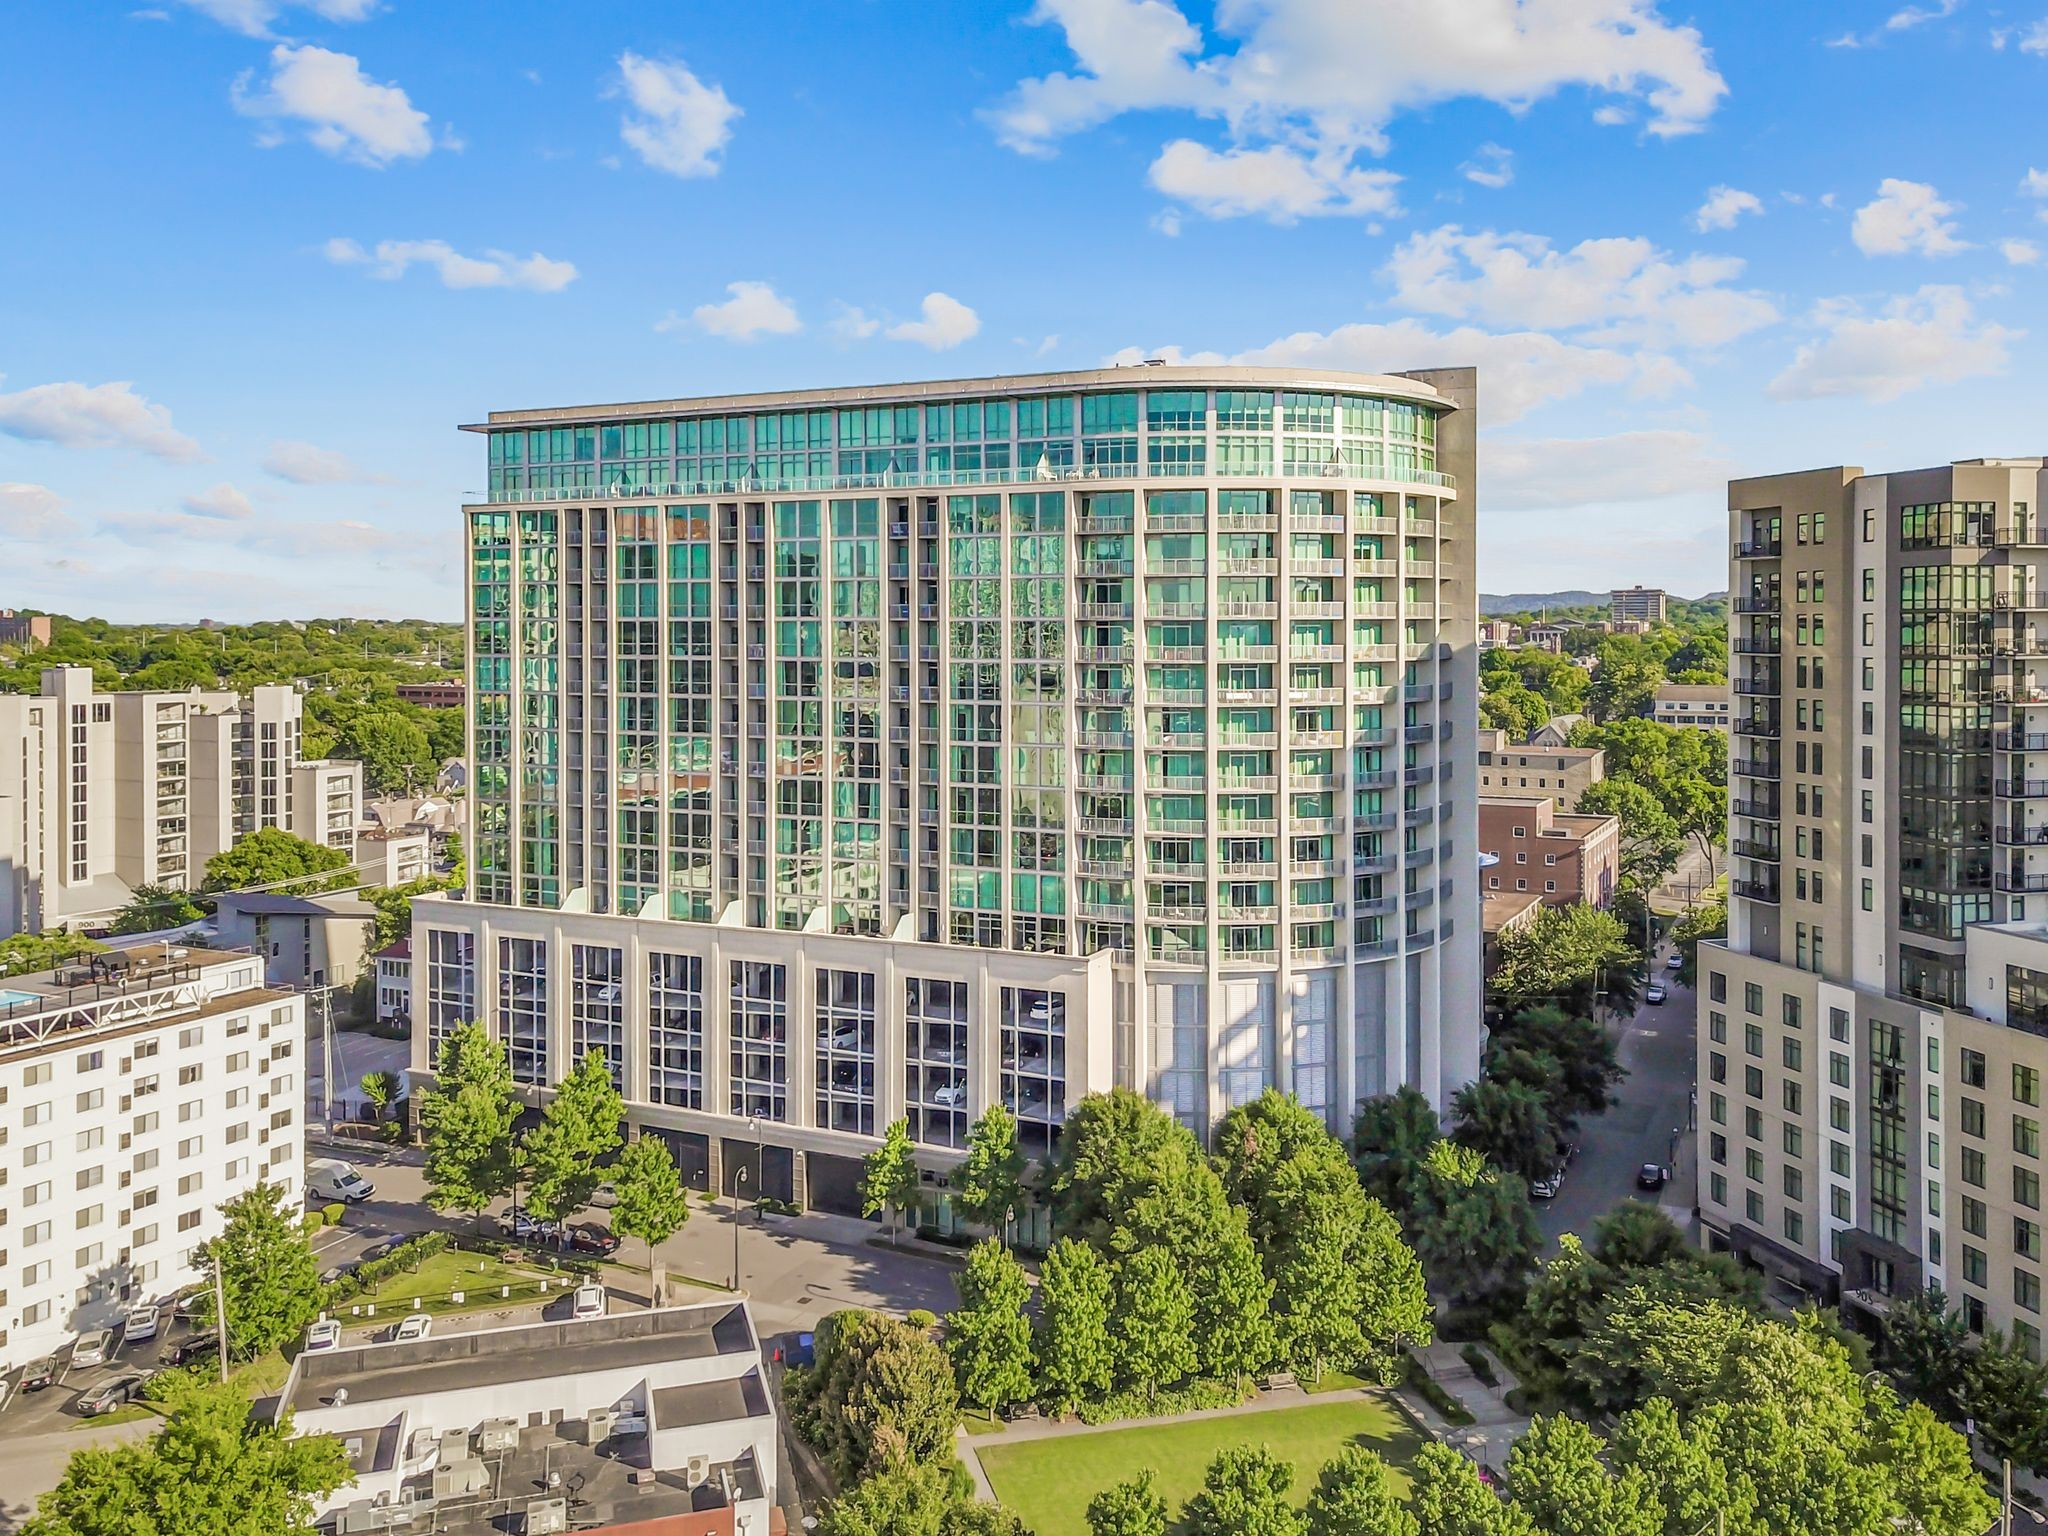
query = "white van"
{"x": 329, "y": 1178}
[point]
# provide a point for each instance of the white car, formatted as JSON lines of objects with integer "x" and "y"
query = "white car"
{"x": 952, "y": 1093}
{"x": 1675, "y": 962}
{"x": 588, "y": 1302}
{"x": 323, "y": 1336}
{"x": 1653, "y": 994}
{"x": 139, "y": 1324}
{"x": 416, "y": 1326}
{"x": 92, "y": 1348}
{"x": 605, "y": 1196}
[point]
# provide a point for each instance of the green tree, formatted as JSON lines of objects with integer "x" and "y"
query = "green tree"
{"x": 1563, "y": 956}
{"x": 913, "y": 1501}
{"x": 1114, "y": 1150}
{"x": 1075, "y": 1360}
{"x": 1472, "y": 1226}
{"x": 879, "y": 1394}
{"x": 1650, "y": 839}
{"x": 267, "y": 1271}
{"x": 1152, "y": 1320}
{"x": 1355, "y": 1496}
{"x": 1390, "y": 1139}
{"x": 1937, "y": 1485}
{"x": 1682, "y": 1474}
{"x": 579, "y": 1128}
{"x": 1706, "y": 922}
{"x": 467, "y": 1120}
{"x": 458, "y": 862}
{"x": 1234, "y": 1309}
{"x": 1244, "y": 1493}
{"x": 1580, "y": 1053}
{"x": 989, "y": 1188}
{"x": 279, "y": 863}
{"x": 23, "y": 954}
{"x": 889, "y": 1178}
{"x": 1560, "y": 1482}
{"x": 1625, "y": 683}
{"x": 1449, "y": 1499}
{"x": 394, "y": 908}
{"x": 1512, "y": 708}
{"x": 1129, "y": 1508}
{"x": 392, "y": 748}
{"x": 154, "y": 907}
{"x": 2007, "y": 1394}
{"x": 652, "y": 1203}
{"x": 211, "y": 1469}
{"x": 988, "y": 1335}
{"x": 378, "y": 1089}
{"x": 1507, "y": 1123}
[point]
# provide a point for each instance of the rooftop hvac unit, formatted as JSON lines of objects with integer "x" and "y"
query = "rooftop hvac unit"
{"x": 454, "y": 1445}
{"x": 496, "y": 1436}
{"x": 597, "y": 1426}
{"x": 697, "y": 1470}
{"x": 547, "y": 1517}
{"x": 453, "y": 1479}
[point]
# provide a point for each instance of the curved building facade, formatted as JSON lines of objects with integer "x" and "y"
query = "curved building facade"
{"x": 864, "y": 753}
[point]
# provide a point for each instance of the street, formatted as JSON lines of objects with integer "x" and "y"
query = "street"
{"x": 1655, "y": 1046}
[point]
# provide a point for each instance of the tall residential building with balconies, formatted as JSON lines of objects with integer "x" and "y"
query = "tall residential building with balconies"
{"x": 1875, "y": 1029}
{"x": 143, "y": 1088}
{"x": 102, "y": 792}
{"x": 881, "y": 752}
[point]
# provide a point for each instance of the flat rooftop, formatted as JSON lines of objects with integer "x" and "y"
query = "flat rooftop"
{"x": 534, "y": 1352}
{"x": 99, "y": 993}
{"x": 1132, "y": 376}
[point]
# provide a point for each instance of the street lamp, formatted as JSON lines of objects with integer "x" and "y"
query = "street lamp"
{"x": 739, "y": 1182}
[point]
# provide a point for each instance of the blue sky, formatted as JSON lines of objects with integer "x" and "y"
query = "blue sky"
{"x": 260, "y": 258}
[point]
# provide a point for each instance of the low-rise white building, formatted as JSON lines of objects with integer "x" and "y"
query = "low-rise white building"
{"x": 141, "y": 1088}
{"x": 1698, "y": 706}
{"x": 394, "y": 982}
{"x": 574, "y": 1425}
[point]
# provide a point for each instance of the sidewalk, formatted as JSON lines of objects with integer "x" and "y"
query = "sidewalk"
{"x": 1495, "y": 1427}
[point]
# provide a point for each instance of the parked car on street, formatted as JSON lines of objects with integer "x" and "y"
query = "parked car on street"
{"x": 1674, "y": 962}
{"x": 92, "y": 1348}
{"x": 416, "y": 1326}
{"x": 1546, "y": 1186}
{"x": 1654, "y": 994}
{"x": 605, "y": 1196}
{"x": 108, "y": 1396}
{"x": 1652, "y": 1176}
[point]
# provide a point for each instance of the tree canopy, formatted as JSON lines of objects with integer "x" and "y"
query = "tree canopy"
{"x": 272, "y": 858}
{"x": 467, "y": 1120}
{"x": 267, "y": 1271}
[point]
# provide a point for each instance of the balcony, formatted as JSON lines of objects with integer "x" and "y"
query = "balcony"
{"x": 2027, "y": 535}
{"x": 2022, "y": 789}
{"x": 1755, "y": 890}
{"x": 2020, "y": 741}
{"x": 1757, "y": 645}
{"x": 1756, "y": 602}
{"x": 2019, "y": 881}
{"x": 1754, "y": 768}
{"x": 1744, "y": 725}
{"x": 1757, "y": 686}
{"x": 1756, "y": 810}
{"x": 2021, "y": 837}
{"x": 1759, "y": 549}
{"x": 1750, "y": 848}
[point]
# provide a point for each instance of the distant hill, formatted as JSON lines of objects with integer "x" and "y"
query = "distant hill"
{"x": 1492, "y": 604}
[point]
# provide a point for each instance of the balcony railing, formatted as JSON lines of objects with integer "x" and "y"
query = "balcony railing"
{"x": 1759, "y": 549}
{"x": 2022, "y": 789}
{"x": 1756, "y": 810}
{"x": 1756, "y": 603}
{"x": 1755, "y": 890}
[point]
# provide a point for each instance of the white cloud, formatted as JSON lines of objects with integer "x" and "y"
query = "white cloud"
{"x": 493, "y": 269}
{"x": 1906, "y": 216}
{"x": 95, "y": 416}
{"x": 946, "y": 323}
{"x": 852, "y": 324}
{"x": 1918, "y": 339}
{"x": 1518, "y": 370}
{"x": 345, "y": 112}
{"x": 1321, "y": 79}
{"x": 1612, "y": 116}
{"x": 1491, "y": 165}
{"x": 2020, "y": 253}
{"x": 254, "y": 17}
{"x": 32, "y": 512}
{"x": 1724, "y": 205}
{"x": 1615, "y": 289}
{"x": 683, "y": 124}
{"x": 755, "y": 309}
{"x": 2034, "y": 183}
{"x": 1531, "y": 474}
{"x": 223, "y": 503}
{"x": 2034, "y": 39}
{"x": 307, "y": 464}
{"x": 1279, "y": 183}
{"x": 1905, "y": 19}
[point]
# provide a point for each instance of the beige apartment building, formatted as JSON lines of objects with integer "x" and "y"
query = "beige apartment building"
{"x": 1646, "y": 604}
{"x": 1696, "y": 706}
{"x": 1876, "y": 1023}
{"x": 1525, "y": 772}
{"x": 100, "y": 793}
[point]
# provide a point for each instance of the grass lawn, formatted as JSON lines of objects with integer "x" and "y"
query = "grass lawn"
{"x": 1048, "y": 1483}
{"x": 477, "y": 1275}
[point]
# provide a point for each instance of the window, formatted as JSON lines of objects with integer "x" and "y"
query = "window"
{"x": 1972, "y": 1069}
{"x": 1753, "y": 997}
{"x": 188, "y": 1220}
{"x": 1717, "y": 986}
{"x": 2026, "y": 1085}
{"x": 2026, "y": 1188}
{"x": 2026, "y": 1290}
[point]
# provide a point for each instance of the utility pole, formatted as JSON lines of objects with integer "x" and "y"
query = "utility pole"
{"x": 220, "y": 1313}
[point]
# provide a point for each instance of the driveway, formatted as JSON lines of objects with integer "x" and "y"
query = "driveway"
{"x": 1650, "y": 1122}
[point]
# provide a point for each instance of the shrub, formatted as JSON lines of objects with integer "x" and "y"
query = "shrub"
{"x": 407, "y": 1256}
{"x": 1192, "y": 1396}
{"x": 920, "y": 1317}
{"x": 333, "y": 1213}
{"x": 1482, "y": 1367}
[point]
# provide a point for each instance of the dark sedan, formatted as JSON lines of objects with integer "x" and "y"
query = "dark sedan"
{"x": 592, "y": 1240}
{"x": 192, "y": 1347}
{"x": 106, "y": 1398}
{"x": 38, "y": 1374}
{"x": 1652, "y": 1176}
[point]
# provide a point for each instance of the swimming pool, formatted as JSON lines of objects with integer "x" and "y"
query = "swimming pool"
{"x": 11, "y": 999}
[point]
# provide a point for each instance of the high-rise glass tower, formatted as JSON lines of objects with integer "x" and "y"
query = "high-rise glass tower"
{"x": 863, "y": 753}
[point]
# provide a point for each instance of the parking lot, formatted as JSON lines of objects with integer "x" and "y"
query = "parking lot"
{"x": 55, "y": 1407}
